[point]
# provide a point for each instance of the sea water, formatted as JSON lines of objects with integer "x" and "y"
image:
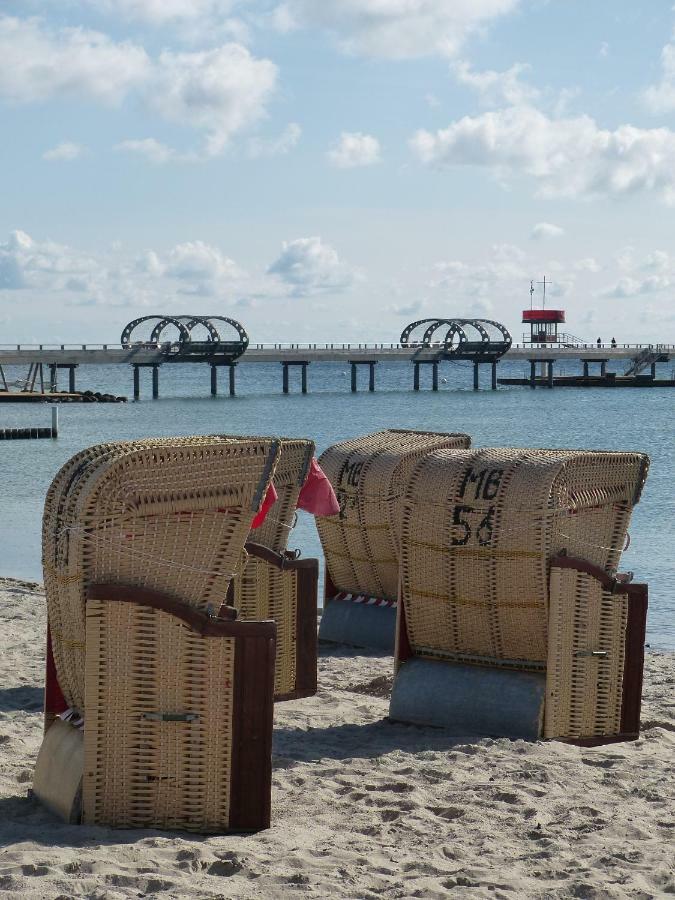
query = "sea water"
{"x": 584, "y": 418}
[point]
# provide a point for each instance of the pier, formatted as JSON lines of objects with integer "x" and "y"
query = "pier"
{"x": 294, "y": 355}
{"x": 423, "y": 344}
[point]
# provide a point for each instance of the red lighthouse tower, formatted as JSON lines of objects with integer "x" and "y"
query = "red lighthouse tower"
{"x": 543, "y": 322}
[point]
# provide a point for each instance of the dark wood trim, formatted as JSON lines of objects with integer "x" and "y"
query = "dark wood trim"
{"x": 54, "y": 701}
{"x": 608, "y": 582}
{"x": 286, "y": 560}
{"x": 598, "y": 741}
{"x": 403, "y": 647}
{"x": 252, "y": 722}
{"x": 306, "y": 647}
{"x": 199, "y": 622}
{"x": 329, "y": 589}
{"x": 634, "y": 657}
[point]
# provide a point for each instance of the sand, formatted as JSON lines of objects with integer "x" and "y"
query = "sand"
{"x": 362, "y": 808}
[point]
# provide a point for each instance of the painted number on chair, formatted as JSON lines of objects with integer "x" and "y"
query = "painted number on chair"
{"x": 471, "y": 524}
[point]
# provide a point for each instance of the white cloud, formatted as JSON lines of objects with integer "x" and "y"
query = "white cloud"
{"x": 497, "y": 87}
{"x": 64, "y": 152}
{"x": 660, "y": 97}
{"x": 395, "y": 29}
{"x": 150, "y": 149}
{"x": 25, "y": 263}
{"x": 308, "y": 266}
{"x": 198, "y": 261}
{"x": 38, "y": 62}
{"x": 604, "y": 50}
{"x": 544, "y": 230}
{"x": 278, "y": 146}
{"x": 219, "y": 92}
{"x": 162, "y": 12}
{"x": 354, "y": 149}
{"x": 567, "y": 156}
{"x": 588, "y": 264}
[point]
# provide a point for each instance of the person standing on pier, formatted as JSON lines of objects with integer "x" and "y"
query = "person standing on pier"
{"x": 599, "y": 343}
{"x": 613, "y": 343}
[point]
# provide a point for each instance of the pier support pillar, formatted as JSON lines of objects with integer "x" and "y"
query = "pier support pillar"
{"x": 476, "y": 377}
{"x": 155, "y": 382}
{"x": 653, "y": 369}
{"x": 585, "y": 368}
{"x": 53, "y": 378}
{"x": 416, "y": 377}
{"x": 494, "y": 374}
{"x": 137, "y": 383}
{"x": 355, "y": 363}
{"x": 549, "y": 380}
{"x": 533, "y": 373}
{"x": 303, "y": 374}
{"x": 603, "y": 368}
{"x": 214, "y": 380}
{"x": 434, "y": 376}
{"x": 71, "y": 379}
{"x": 232, "y": 380}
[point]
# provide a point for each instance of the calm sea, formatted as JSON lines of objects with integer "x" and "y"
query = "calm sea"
{"x": 599, "y": 418}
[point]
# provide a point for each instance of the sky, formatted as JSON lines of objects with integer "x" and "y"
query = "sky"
{"x": 331, "y": 171}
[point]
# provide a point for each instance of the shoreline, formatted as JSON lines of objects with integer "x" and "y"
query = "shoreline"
{"x": 361, "y": 808}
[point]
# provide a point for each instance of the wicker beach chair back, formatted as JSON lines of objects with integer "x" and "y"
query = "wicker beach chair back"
{"x": 479, "y": 530}
{"x": 295, "y": 457}
{"x": 170, "y": 515}
{"x": 369, "y": 475}
{"x": 262, "y": 591}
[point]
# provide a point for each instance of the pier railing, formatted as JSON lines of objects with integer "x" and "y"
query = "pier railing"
{"x": 338, "y": 345}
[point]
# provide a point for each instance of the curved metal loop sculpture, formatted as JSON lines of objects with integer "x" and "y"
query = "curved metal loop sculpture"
{"x": 186, "y": 345}
{"x": 468, "y": 339}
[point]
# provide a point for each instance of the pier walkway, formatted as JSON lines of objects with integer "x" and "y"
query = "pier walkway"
{"x": 144, "y": 355}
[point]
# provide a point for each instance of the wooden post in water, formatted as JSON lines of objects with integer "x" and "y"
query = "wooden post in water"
{"x": 71, "y": 379}
{"x": 155, "y": 382}
{"x": 232, "y": 379}
{"x": 55, "y": 421}
{"x": 137, "y": 382}
{"x": 53, "y": 378}
{"x": 285, "y": 378}
{"x": 434, "y": 375}
{"x": 304, "y": 378}
{"x": 354, "y": 386}
{"x": 371, "y": 376}
{"x": 533, "y": 373}
{"x": 476, "y": 376}
{"x": 494, "y": 374}
{"x": 416, "y": 377}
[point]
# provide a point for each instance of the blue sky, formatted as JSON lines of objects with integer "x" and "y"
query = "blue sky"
{"x": 330, "y": 171}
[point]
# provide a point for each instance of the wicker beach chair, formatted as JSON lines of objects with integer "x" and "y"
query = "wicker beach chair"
{"x": 512, "y": 621}
{"x": 276, "y": 584}
{"x": 176, "y": 700}
{"x": 360, "y": 545}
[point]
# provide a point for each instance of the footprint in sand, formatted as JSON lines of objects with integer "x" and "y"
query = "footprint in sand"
{"x": 447, "y": 812}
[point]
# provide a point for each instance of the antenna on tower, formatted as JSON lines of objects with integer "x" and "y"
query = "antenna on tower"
{"x": 531, "y": 294}
{"x": 544, "y": 282}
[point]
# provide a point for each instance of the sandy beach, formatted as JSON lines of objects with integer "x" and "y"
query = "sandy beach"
{"x": 362, "y": 808}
